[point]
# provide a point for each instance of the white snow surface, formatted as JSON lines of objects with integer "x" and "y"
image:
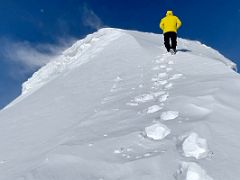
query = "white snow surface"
{"x": 77, "y": 119}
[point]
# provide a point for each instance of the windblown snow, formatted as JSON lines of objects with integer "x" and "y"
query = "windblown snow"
{"x": 116, "y": 106}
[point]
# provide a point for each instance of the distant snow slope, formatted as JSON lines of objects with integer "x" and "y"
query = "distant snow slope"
{"x": 116, "y": 106}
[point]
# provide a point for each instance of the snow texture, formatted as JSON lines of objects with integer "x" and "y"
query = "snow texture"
{"x": 104, "y": 109}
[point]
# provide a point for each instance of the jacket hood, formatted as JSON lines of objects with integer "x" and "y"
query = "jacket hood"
{"x": 169, "y": 13}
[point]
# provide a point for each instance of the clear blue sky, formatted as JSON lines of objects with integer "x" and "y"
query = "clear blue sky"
{"x": 33, "y": 30}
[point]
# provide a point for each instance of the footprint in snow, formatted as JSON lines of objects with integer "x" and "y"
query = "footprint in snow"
{"x": 163, "y": 98}
{"x": 143, "y": 98}
{"x": 132, "y": 104}
{"x": 159, "y": 61}
{"x": 170, "y": 62}
{"x": 175, "y": 76}
{"x": 118, "y": 79}
{"x": 163, "y": 66}
{"x": 160, "y": 83}
{"x": 156, "y": 68}
{"x": 159, "y": 77}
{"x": 153, "y": 109}
{"x": 132, "y": 156}
{"x": 114, "y": 88}
{"x": 168, "y": 86}
{"x": 107, "y": 100}
{"x": 162, "y": 75}
{"x": 159, "y": 93}
{"x": 169, "y": 69}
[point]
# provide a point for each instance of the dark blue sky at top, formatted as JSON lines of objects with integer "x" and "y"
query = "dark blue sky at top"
{"x": 33, "y": 23}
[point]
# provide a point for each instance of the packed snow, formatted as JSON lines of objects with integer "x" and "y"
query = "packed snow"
{"x": 116, "y": 105}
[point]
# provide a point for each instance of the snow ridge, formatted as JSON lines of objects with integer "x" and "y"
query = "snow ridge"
{"x": 81, "y": 52}
{"x": 143, "y": 114}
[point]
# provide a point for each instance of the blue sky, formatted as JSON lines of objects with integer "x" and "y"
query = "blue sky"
{"x": 32, "y": 31}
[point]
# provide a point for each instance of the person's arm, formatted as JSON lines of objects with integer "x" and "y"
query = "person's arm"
{"x": 179, "y": 23}
{"x": 161, "y": 25}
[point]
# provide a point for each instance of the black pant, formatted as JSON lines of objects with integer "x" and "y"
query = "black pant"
{"x": 170, "y": 36}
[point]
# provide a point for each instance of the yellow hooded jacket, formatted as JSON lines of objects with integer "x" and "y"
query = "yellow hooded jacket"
{"x": 170, "y": 23}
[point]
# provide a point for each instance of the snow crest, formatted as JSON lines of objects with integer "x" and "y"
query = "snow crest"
{"x": 145, "y": 107}
{"x": 81, "y": 52}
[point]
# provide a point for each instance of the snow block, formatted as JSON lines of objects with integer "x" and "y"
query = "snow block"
{"x": 169, "y": 115}
{"x": 192, "y": 171}
{"x": 157, "y": 131}
{"x": 194, "y": 146}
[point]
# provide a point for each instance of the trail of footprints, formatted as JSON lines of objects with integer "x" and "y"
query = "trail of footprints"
{"x": 190, "y": 145}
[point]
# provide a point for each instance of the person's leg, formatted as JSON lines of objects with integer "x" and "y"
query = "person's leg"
{"x": 173, "y": 41}
{"x": 167, "y": 41}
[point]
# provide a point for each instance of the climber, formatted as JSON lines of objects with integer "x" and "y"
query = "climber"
{"x": 170, "y": 25}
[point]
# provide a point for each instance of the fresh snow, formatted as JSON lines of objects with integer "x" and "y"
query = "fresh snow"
{"x": 116, "y": 105}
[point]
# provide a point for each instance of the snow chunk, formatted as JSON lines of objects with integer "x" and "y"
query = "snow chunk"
{"x": 176, "y": 76}
{"x": 155, "y": 68}
{"x": 163, "y": 66}
{"x": 194, "y": 172}
{"x": 169, "y": 115}
{"x": 132, "y": 104}
{"x": 168, "y": 86}
{"x": 169, "y": 69}
{"x": 157, "y": 131}
{"x": 159, "y": 76}
{"x": 143, "y": 98}
{"x": 159, "y": 93}
{"x": 117, "y": 79}
{"x": 194, "y": 146}
{"x": 163, "y": 98}
{"x": 153, "y": 109}
{"x": 158, "y": 83}
{"x": 162, "y": 75}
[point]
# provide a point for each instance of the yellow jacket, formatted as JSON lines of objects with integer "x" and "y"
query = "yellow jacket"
{"x": 170, "y": 23}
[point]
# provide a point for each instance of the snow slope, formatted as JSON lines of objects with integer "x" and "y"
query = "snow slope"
{"x": 116, "y": 106}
